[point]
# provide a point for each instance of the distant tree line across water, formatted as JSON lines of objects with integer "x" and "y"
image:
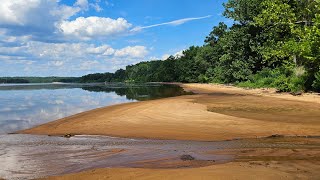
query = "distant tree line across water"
{"x": 18, "y": 80}
{"x": 272, "y": 43}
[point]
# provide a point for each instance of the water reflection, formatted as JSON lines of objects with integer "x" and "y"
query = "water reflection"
{"x": 24, "y": 106}
{"x": 140, "y": 92}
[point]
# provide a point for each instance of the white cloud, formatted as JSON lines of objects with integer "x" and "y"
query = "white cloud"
{"x": 33, "y": 12}
{"x": 132, "y": 51}
{"x": 42, "y": 20}
{"x": 65, "y": 12}
{"x": 99, "y": 50}
{"x": 62, "y": 59}
{"x": 93, "y": 27}
{"x": 88, "y": 65}
{"x": 56, "y": 63}
{"x": 84, "y": 4}
{"x": 96, "y": 6}
{"x": 176, "y": 55}
{"x": 34, "y": 18}
{"x": 107, "y": 3}
{"x": 173, "y": 23}
{"x": 165, "y": 56}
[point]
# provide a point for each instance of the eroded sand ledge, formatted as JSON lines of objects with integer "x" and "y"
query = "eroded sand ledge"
{"x": 216, "y": 113}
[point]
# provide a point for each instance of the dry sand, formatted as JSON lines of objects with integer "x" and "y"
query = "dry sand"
{"x": 216, "y": 113}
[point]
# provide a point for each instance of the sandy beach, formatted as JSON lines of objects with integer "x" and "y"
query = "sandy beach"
{"x": 214, "y": 113}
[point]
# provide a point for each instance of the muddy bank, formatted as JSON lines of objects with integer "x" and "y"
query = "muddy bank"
{"x": 216, "y": 113}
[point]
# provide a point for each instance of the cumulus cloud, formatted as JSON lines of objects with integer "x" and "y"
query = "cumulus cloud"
{"x": 93, "y": 27}
{"x": 84, "y": 4}
{"x": 96, "y": 7}
{"x": 49, "y": 21}
{"x": 56, "y": 63}
{"x": 176, "y": 55}
{"x": 87, "y": 65}
{"x": 132, "y": 51}
{"x": 34, "y": 18}
{"x": 67, "y": 58}
{"x": 100, "y": 49}
{"x": 173, "y": 23}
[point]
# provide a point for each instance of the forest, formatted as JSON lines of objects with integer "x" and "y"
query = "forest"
{"x": 272, "y": 43}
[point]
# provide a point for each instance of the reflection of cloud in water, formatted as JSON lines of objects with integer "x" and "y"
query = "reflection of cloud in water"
{"x": 24, "y": 109}
{"x": 12, "y": 125}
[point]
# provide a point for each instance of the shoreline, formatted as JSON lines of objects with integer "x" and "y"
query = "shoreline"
{"x": 205, "y": 116}
{"x": 214, "y": 113}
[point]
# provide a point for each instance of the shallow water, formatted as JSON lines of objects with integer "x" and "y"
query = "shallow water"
{"x": 31, "y": 156}
{"x": 23, "y": 106}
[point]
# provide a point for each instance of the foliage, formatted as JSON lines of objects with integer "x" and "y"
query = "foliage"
{"x": 272, "y": 43}
{"x": 316, "y": 82}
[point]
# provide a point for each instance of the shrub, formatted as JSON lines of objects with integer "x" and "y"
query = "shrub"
{"x": 281, "y": 79}
{"x": 316, "y": 82}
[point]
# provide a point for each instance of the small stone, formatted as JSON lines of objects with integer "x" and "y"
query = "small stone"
{"x": 68, "y": 135}
{"x": 186, "y": 157}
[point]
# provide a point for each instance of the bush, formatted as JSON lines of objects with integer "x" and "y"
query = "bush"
{"x": 281, "y": 79}
{"x": 316, "y": 82}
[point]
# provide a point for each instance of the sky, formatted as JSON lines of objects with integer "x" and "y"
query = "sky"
{"x": 78, "y": 37}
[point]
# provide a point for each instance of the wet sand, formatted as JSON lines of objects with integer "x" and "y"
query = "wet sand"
{"x": 267, "y": 158}
{"x": 30, "y": 156}
{"x": 215, "y": 113}
{"x": 229, "y": 171}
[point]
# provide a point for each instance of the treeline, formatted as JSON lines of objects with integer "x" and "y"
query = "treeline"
{"x": 118, "y": 76}
{"x": 13, "y": 80}
{"x": 272, "y": 43}
{"x": 38, "y": 79}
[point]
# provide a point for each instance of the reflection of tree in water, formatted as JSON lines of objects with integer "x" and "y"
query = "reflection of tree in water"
{"x": 140, "y": 92}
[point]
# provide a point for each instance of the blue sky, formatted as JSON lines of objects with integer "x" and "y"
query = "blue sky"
{"x": 77, "y": 37}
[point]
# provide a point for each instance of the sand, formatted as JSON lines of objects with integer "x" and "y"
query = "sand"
{"x": 230, "y": 171}
{"x": 215, "y": 113}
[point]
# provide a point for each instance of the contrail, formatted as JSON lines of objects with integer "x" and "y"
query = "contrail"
{"x": 173, "y": 23}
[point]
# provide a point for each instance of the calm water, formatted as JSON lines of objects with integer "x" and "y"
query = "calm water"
{"x": 27, "y": 105}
